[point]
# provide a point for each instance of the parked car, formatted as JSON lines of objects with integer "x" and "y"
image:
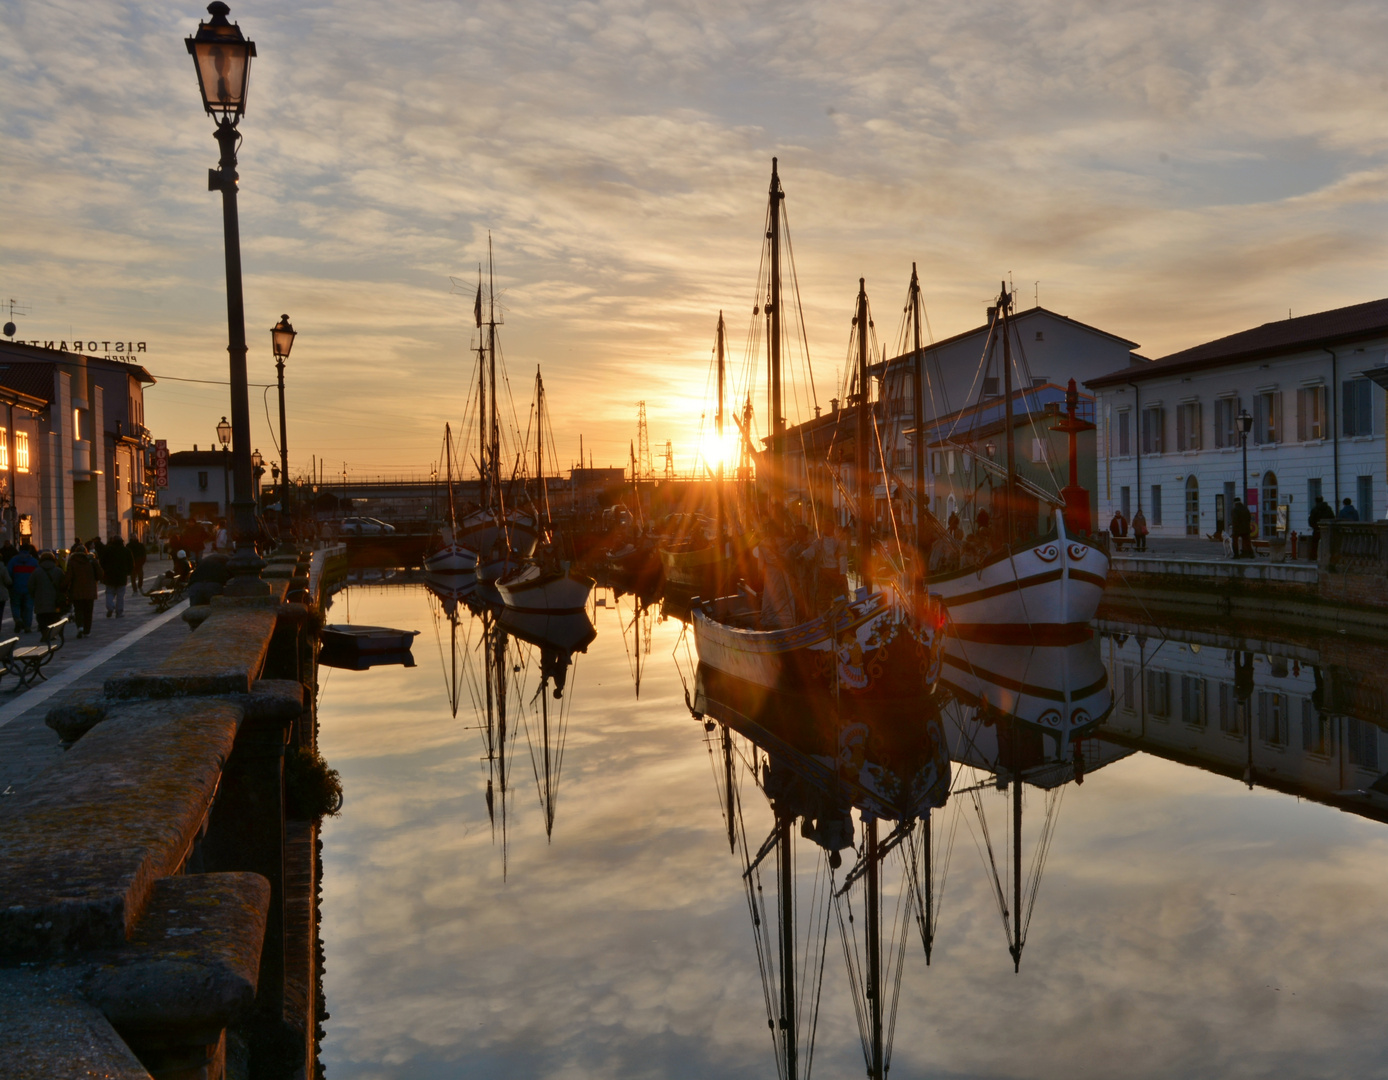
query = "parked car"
{"x": 364, "y": 526}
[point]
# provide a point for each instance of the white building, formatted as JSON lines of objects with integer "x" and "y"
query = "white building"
{"x": 1169, "y": 442}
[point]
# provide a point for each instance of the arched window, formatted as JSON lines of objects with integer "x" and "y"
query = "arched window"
{"x": 1192, "y": 506}
{"x": 1268, "y": 498}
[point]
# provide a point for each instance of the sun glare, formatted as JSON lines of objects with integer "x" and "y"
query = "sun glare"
{"x": 713, "y": 451}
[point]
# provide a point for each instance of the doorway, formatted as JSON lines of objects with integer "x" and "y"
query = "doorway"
{"x": 1192, "y": 506}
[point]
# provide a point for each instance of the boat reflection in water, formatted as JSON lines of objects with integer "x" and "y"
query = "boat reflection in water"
{"x": 1018, "y": 716}
{"x": 816, "y": 771}
{"x": 514, "y": 668}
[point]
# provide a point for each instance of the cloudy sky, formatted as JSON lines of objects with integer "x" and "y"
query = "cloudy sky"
{"x": 1169, "y": 172}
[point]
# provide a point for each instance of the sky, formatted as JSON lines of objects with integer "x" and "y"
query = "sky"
{"x": 1167, "y": 172}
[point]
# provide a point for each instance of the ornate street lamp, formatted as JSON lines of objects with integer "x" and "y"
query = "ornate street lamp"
{"x": 257, "y": 471}
{"x": 222, "y": 58}
{"x": 224, "y": 437}
{"x": 282, "y": 340}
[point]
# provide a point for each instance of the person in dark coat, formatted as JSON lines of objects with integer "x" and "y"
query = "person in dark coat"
{"x": 1347, "y": 511}
{"x": 208, "y": 578}
{"x": 20, "y": 567}
{"x": 138, "y": 555}
{"x": 1140, "y": 530}
{"x": 1322, "y": 511}
{"x": 80, "y": 582}
{"x": 46, "y": 587}
{"x": 1241, "y": 529}
{"x": 115, "y": 571}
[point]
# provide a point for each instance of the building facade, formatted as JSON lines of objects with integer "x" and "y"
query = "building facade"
{"x": 92, "y": 448}
{"x": 1169, "y": 440}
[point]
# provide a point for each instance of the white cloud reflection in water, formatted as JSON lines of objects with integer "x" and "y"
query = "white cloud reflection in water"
{"x": 1185, "y": 927}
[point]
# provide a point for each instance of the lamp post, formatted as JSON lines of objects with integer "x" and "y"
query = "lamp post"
{"x": 224, "y": 437}
{"x": 257, "y": 471}
{"x": 222, "y": 59}
{"x": 282, "y": 339}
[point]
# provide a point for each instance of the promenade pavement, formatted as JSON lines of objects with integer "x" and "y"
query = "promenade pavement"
{"x": 117, "y": 646}
{"x": 1193, "y": 547}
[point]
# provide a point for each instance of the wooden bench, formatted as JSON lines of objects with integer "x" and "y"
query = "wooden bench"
{"x": 30, "y": 660}
{"x": 163, "y": 599}
{"x": 1120, "y": 542}
{"x": 8, "y": 665}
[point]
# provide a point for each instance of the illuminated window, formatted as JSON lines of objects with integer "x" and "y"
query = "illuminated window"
{"x": 4, "y": 450}
{"x": 76, "y": 423}
{"x": 21, "y": 451}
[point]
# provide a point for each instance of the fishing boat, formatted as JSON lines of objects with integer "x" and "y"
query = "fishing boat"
{"x": 1023, "y": 588}
{"x": 544, "y": 584}
{"x": 870, "y": 646}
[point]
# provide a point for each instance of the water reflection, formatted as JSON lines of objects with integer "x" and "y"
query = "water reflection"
{"x": 1184, "y": 925}
{"x": 1300, "y": 718}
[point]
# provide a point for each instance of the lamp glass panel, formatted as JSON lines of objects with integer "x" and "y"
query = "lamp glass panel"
{"x": 284, "y": 341}
{"x": 223, "y": 70}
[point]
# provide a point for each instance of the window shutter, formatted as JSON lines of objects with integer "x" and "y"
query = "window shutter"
{"x": 1302, "y": 404}
{"x": 1181, "y": 428}
{"x": 1366, "y": 406}
{"x": 1277, "y": 416}
{"x": 1347, "y": 408}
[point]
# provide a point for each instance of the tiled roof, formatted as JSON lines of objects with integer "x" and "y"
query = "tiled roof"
{"x": 1321, "y": 330}
{"x": 32, "y": 380}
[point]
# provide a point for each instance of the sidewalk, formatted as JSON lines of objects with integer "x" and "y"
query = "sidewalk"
{"x": 117, "y": 646}
{"x": 1196, "y": 548}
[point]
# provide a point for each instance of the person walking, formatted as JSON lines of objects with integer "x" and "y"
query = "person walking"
{"x": 1347, "y": 511}
{"x": 22, "y": 604}
{"x": 1322, "y": 511}
{"x": 138, "y": 554}
{"x": 1241, "y": 529}
{"x": 46, "y": 587}
{"x": 80, "y": 582}
{"x": 115, "y": 571}
{"x": 1140, "y": 530}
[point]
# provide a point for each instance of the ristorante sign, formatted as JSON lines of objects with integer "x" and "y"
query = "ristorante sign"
{"x": 108, "y": 350}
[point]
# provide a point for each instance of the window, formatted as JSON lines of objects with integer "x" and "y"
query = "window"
{"x": 990, "y": 386}
{"x": 949, "y": 462}
{"x": 4, "y": 449}
{"x": 1226, "y": 429}
{"x": 1310, "y": 413}
{"x": 1193, "y": 700}
{"x": 1228, "y": 710}
{"x": 1159, "y": 694}
{"x": 1125, "y": 500}
{"x": 1313, "y": 492}
{"x": 903, "y": 457}
{"x": 1267, "y": 417}
{"x": 1040, "y": 336}
{"x": 202, "y": 481}
{"x": 1156, "y": 505}
{"x": 1364, "y": 488}
{"x": 1125, "y": 435}
{"x": 937, "y": 463}
{"x": 1129, "y": 688}
{"x": 1153, "y": 420}
{"x": 1038, "y": 451}
{"x": 1188, "y": 426}
{"x": 21, "y": 451}
{"x": 1358, "y": 413}
{"x": 1267, "y": 528}
{"x": 1192, "y": 506}
{"x": 76, "y": 423}
{"x": 1317, "y": 730}
{"x": 1361, "y": 740}
{"x": 1272, "y": 717}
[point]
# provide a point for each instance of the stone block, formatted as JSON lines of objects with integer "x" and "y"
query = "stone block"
{"x": 82, "y": 846}
{"x": 222, "y": 656}
{"x": 191, "y": 964}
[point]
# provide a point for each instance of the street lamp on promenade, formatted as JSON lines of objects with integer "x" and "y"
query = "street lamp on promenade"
{"x": 222, "y": 58}
{"x": 257, "y": 471}
{"x": 282, "y": 338}
{"x": 224, "y": 437}
{"x": 1245, "y": 422}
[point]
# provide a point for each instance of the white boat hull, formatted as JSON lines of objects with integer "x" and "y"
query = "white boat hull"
{"x": 451, "y": 559}
{"x": 1052, "y": 588}
{"x": 530, "y": 589}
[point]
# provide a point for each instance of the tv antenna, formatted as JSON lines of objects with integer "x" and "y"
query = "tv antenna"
{"x": 15, "y": 308}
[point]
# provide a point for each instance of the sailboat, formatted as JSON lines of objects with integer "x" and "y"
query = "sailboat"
{"x": 499, "y": 535}
{"x": 450, "y": 557}
{"x": 1042, "y": 588}
{"x": 869, "y": 647}
{"x": 543, "y": 584}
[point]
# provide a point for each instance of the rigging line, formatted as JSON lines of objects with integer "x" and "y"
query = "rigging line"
{"x": 988, "y": 344}
{"x": 1043, "y": 850}
{"x": 899, "y": 921}
{"x": 855, "y": 983}
{"x": 819, "y": 986}
{"x": 887, "y": 486}
{"x": 990, "y": 861}
{"x": 795, "y": 285}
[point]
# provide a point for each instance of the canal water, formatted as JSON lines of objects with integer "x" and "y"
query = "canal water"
{"x": 1210, "y": 899}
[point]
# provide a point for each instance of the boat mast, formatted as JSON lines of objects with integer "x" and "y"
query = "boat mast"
{"x": 787, "y": 898}
{"x": 1004, "y": 303}
{"x": 484, "y": 472}
{"x": 860, "y": 463}
{"x": 718, "y": 429}
{"x": 874, "y": 950}
{"x": 918, "y": 378}
{"x": 543, "y": 491}
{"x": 773, "y": 310}
{"x": 448, "y": 478}
{"x": 728, "y": 783}
{"x": 493, "y": 425}
{"x": 1016, "y": 949}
